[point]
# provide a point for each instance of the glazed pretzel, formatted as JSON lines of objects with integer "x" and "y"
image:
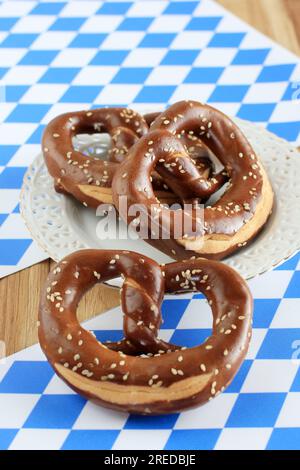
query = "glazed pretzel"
{"x": 166, "y": 380}
{"x": 237, "y": 216}
{"x": 73, "y": 171}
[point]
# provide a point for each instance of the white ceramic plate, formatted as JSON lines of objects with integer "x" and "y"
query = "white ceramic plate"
{"x": 60, "y": 225}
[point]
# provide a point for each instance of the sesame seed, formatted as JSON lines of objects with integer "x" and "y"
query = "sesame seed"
{"x": 202, "y": 367}
{"x": 174, "y": 371}
{"x": 69, "y": 337}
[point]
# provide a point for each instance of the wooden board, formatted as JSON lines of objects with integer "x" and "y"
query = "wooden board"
{"x": 19, "y": 293}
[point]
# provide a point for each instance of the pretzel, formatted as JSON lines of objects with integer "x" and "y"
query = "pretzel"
{"x": 164, "y": 380}
{"x": 78, "y": 175}
{"x": 231, "y": 222}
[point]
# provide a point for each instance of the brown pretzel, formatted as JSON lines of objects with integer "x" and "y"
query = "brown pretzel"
{"x": 234, "y": 219}
{"x": 72, "y": 170}
{"x": 169, "y": 379}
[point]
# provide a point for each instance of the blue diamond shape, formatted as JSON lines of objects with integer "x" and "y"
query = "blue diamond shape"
{"x": 278, "y": 343}
{"x": 293, "y": 290}
{"x": 256, "y": 112}
{"x": 80, "y": 94}
{"x": 204, "y": 75}
{"x": 12, "y": 177}
{"x": 19, "y": 40}
{"x": 115, "y": 8}
{"x": 48, "y": 8}
{"x": 284, "y": 439}
{"x": 59, "y": 75}
{"x": 157, "y": 40}
{"x": 109, "y": 58}
{"x": 180, "y": 8}
{"x": 227, "y": 40}
{"x": 172, "y": 311}
{"x": 256, "y": 410}
{"x": 55, "y": 411}
{"x": 88, "y": 40}
{"x": 132, "y": 75}
{"x": 229, "y": 93}
{"x": 3, "y": 71}
{"x": 290, "y": 264}
{"x": 6, "y": 153}
{"x": 287, "y": 130}
{"x": 28, "y": 113}
{"x": 90, "y": 440}
{"x": 3, "y": 217}
{"x": 264, "y": 311}
{"x": 36, "y": 137}
{"x": 151, "y": 422}
{"x": 195, "y": 439}
{"x": 203, "y": 23}
{"x": 7, "y": 23}
{"x": 178, "y": 57}
{"x": 135, "y": 24}
{"x": 155, "y": 94}
{"x": 276, "y": 73}
{"x": 67, "y": 24}
{"x": 6, "y": 437}
{"x": 190, "y": 337}
{"x": 11, "y": 251}
{"x": 26, "y": 377}
{"x": 251, "y": 57}
{"x": 38, "y": 57}
{"x": 13, "y": 93}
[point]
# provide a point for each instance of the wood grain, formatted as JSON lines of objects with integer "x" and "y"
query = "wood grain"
{"x": 19, "y": 293}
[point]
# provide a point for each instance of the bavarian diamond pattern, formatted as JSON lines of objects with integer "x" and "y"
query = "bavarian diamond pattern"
{"x": 64, "y": 55}
{"x": 259, "y": 410}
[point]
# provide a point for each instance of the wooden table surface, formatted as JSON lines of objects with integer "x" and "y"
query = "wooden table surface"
{"x": 19, "y": 293}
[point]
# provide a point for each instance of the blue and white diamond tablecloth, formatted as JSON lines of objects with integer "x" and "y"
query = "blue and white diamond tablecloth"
{"x": 259, "y": 410}
{"x": 59, "y": 56}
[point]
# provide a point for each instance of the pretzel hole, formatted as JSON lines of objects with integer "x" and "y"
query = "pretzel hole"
{"x": 192, "y": 319}
{"x": 94, "y": 145}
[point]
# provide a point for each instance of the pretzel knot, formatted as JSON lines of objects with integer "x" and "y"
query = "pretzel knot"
{"x": 231, "y": 221}
{"x": 141, "y": 373}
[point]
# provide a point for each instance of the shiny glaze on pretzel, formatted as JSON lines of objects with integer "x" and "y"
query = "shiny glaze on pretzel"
{"x": 237, "y": 216}
{"x": 168, "y": 379}
{"x": 73, "y": 172}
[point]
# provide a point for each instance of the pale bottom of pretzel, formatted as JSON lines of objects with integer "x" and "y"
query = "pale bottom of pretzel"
{"x": 131, "y": 396}
{"x": 104, "y": 195}
{"x": 220, "y": 243}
